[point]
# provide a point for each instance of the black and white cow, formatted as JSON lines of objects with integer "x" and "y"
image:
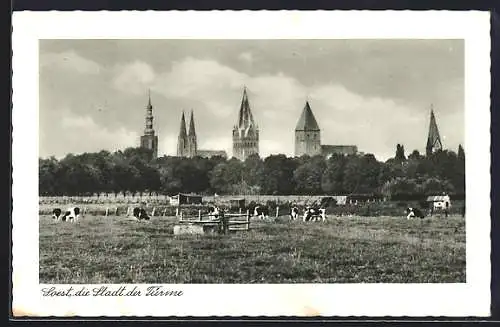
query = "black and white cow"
{"x": 71, "y": 214}
{"x": 294, "y": 213}
{"x": 214, "y": 212}
{"x": 414, "y": 212}
{"x": 56, "y": 214}
{"x": 260, "y": 211}
{"x": 140, "y": 213}
{"x": 314, "y": 214}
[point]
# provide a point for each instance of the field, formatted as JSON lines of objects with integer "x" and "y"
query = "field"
{"x": 113, "y": 249}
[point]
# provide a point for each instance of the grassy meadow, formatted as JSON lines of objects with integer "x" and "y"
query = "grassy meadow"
{"x": 113, "y": 249}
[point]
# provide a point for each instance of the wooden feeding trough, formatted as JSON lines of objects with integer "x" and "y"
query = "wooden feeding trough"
{"x": 197, "y": 225}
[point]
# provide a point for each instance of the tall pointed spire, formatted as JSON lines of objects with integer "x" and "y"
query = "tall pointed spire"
{"x": 148, "y": 130}
{"x": 307, "y": 121}
{"x": 182, "y": 131}
{"x": 307, "y": 133}
{"x": 182, "y": 141}
{"x": 149, "y": 140}
{"x": 192, "y": 143}
{"x": 149, "y": 99}
{"x": 433, "y": 139}
{"x": 192, "y": 131}
{"x": 245, "y": 117}
{"x": 245, "y": 132}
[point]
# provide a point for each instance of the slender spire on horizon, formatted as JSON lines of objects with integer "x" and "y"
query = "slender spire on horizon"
{"x": 149, "y": 140}
{"x": 192, "y": 130}
{"x": 182, "y": 131}
{"x": 148, "y": 130}
{"x": 245, "y": 117}
{"x": 433, "y": 139}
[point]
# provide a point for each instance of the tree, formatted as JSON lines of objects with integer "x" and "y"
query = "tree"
{"x": 461, "y": 153}
{"x": 308, "y": 176}
{"x": 333, "y": 177}
{"x": 278, "y": 172}
{"x": 47, "y": 176}
{"x": 400, "y": 153}
{"x": 433, "y": 186}
{"x": 415, "y": 155}
{"x": 400, "y": 188}
{"x": 253, "y": 172}
{"x": 226, "y": 177}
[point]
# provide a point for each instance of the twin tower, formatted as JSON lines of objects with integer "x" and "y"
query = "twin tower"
{"x": 245, "y": 136}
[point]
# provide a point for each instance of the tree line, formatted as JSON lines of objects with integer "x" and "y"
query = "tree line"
{"x": 132, "y": 171}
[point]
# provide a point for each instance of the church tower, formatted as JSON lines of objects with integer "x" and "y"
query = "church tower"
{"x": 191, "y": 138}
{"x": 245, "y": 132}
{"x": 149, "y": 140}
{"x": 182, "y": 140}
{"x": 307, "y": 134}
{"x": 433, "y": 139}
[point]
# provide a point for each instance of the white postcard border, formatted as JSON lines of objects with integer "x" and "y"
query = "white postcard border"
{"x": 469, "y": 299}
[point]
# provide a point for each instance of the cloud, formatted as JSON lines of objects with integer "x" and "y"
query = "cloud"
{"x": 346, "y": 114}
{"x": 69, "y": 61}
{"x": 167, "y": 146}
{"x": 246, "y": 57}
{"x": 134, "y": 77}
{"x": 78, "y": 134}
{"x": 374, "y": 124}
{"x": 198, "y": 79}
{"x": 268, "y": 147}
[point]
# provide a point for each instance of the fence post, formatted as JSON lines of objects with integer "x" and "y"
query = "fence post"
{"x": 248, "y": 220}
{"x": 116, "y": 211}
{"x": 277, "y": 211}
{"x": 164, "y": 211}
{"x": 128, "y": 211}
{"x": 181, "y": 215}
{"x": 153, "y": 212}
{"x": 225, "y": 225}
{"x": 240, "y": 210}
{"x": 107, "y": 209}
{"x": 177, "y": 212}
{"x": 199, "y": 215}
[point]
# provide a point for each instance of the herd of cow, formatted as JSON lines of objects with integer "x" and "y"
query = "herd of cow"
{"x": 73, "y": 214}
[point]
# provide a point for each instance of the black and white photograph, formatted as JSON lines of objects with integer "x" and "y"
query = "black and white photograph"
{"x": 189, "y": 161}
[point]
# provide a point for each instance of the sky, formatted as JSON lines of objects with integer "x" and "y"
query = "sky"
{"x": 370, "y": 93}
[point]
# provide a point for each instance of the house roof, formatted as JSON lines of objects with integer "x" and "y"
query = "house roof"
{"x": 434, "y": 198}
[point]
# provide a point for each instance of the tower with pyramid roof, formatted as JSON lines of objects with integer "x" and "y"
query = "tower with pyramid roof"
{"x": 192, "y": 144}
{"x": 307, "y": 134}
{"x": 182, "y": 140}
{"x": 245, "y": 132}
{"x": 433, "y": 139}
{"x": 149, "y": 140}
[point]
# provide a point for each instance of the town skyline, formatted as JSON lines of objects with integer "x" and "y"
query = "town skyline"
{"x": 348, "y": 110}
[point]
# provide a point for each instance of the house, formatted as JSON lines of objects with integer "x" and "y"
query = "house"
{"x": 181, "y": 199}
{"x": 439, "y": 201}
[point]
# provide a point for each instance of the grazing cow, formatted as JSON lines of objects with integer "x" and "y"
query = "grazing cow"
{"x": 294, "y": 213}
{"x": 56, "y": 214}
{"x": 214, "y": 212}
{"x": 314, "y": 214}
{"x": 72, "y": 214}
{"x": 414, "y": 212}
{"x": 140, "y": 213}
{"x": 262, "y": 212}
